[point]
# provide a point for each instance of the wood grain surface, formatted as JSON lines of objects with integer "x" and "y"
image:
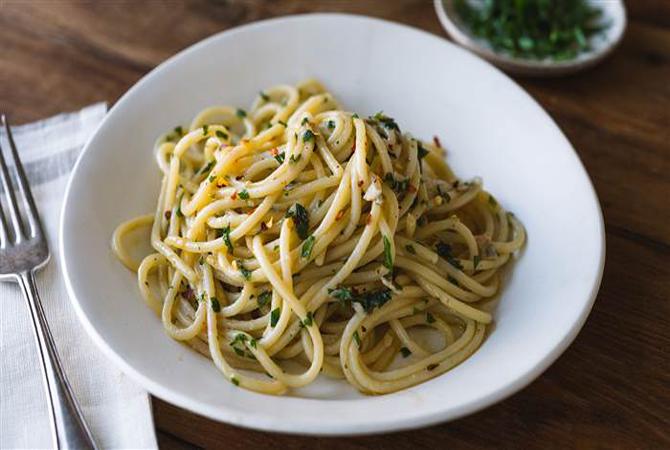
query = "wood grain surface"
{"x": 611, "y": 388}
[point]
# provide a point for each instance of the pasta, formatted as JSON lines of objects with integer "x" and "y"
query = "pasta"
{"x": 298, "y": 238}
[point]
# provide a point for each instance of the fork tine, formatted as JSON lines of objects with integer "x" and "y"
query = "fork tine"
{"x": 33, "y": 216}
{"x": 11, "y": 200}
{"x": 4, "y": 239}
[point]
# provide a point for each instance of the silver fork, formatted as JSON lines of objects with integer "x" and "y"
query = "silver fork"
{"x": 24, "y": 250}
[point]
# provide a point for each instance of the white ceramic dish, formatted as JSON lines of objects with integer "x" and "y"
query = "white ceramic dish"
{"x": 492, "y": 128}
{"x": 614, "y": 14}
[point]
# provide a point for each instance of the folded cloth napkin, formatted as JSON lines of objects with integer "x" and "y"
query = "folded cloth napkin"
{"x": 117, "y": 410}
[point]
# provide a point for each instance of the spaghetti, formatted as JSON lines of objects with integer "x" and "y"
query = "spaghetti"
{"x": 298, "y": 238}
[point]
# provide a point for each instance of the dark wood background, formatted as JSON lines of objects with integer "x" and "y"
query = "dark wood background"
{"x": 611, "y": 388}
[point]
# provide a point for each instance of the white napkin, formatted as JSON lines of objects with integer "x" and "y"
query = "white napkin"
{"x": 117, "y": 410}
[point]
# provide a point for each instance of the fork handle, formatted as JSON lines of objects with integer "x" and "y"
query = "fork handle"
{"x": 68, "y": 426}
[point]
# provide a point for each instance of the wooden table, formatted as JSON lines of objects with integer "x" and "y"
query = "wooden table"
{"x": 611, "y": 388}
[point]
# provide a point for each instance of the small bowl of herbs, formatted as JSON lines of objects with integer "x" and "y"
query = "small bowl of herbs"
{"x": 535, "y": 37}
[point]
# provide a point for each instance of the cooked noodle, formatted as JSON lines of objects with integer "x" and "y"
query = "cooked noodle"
{"x": 298, "y": 238}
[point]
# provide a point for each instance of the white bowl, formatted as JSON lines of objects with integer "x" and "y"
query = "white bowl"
{"x": 492, "y": 129}
{"x": 602, "y": 44}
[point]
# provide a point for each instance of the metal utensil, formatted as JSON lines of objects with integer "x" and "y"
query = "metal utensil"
{"x": 24, "y": 250}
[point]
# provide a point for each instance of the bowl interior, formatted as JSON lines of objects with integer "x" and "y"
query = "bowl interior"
{"x": 491, "y": 128}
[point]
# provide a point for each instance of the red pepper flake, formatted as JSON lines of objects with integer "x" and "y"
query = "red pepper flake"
{"x": 436, "y": 140}
{"x": 234, "y": 195}
{"x": 339, "y": 215}
{"x": 274, "y": 151}
{"x": 360, "y": 183}
{"x": 411, "y": 188}
{"x": 251, "y": 211}
{"x": 168, "y": 214}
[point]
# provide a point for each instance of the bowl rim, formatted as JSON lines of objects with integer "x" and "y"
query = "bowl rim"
{"x": 525, "y": 66}
{"x": 247, "y": 420}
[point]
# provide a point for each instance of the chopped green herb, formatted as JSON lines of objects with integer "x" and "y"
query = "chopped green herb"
{"x": 246, "y": 273}
{"x": 430, "y": 318}
{"x": 243, "y": 194}
{"x": 179, "y": 130}
{"x": 386, "y": 121}
{"x": 274, "y": 317}
{"x": 373, "y": 299}
{"x": 234, "y": 380}
{"x": 410, "y": 249}
{"x": 280, "y": 157}
{"x": 343, "y": 294}
{"x": 282, "y": 123}
{"x": 399, "y": 186}
{"x": 452, "y": 280}
{"x": 212, "y": 178}
{"x": 178, "y": 212}
{"x": 253, "y": 343}
{"x": 309, "y": 319}
{"x": 294, "y": 159}
{"x": 357, "y": 339}
{"x": 475, "y": 261}
{"x": 241, "y": 113}
{"x": 444, "y": 250}
{"x": 205, "y": 130}
{"x": 307, "y": 246}
{"x": 300, "y": 218}
{"x": 388, "y": 256}
{"x": 307, "y": 136}
{"x": 331, "y": 124}
{"x": 239, "y": 338}
{"x": 432, "y": 367}
{"x": 216, "y": 306}
{"x": 354, "y": 116}
{"x": 534, "y": 29}
{"x": 225, "y": 234}
{"x": 264, "y": 298}
{"x": 264, "y": 96}
{"x": 207, "y": 167}
{"x": 405, "y": 352}
{"x": 221, "y": 134}
{"x": 305, "y": 120}
{"x": 492, "y": 201}
{"x": 239, "y": 352}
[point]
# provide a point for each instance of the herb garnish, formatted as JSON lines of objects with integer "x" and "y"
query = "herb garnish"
{"x": 331, "y": 124}
{"x": 307, "y": 247}
{"x": 388, "y": 256}
{"x": 264, "y": 298}
{"x": 309, "y": 319}
{"x": 405, "y": 352}
{"x": 205, "y": 129}
{"x": 216, "y": 306}
{"x": 369, "y": 300}
{"x": 274, "y": 317}
{"x": 534, "y": 29}
{"x": 264, "y": 96}
{"x": 280, "y": 157}
{"x": 422, "y": 152}
{"x": 307, "y": 136}
{"x": 444, "y": 250}
{"x": 430, "y": 318}
{"x": 387, "y": 121}
{"x": 410, "y": 249}
{"x": 475, "y": 261}
{"x": 234, "y": 380}
{"x": 399, "y": 186}
{"x": 225, "y": 234}
{"x": 246, "y": 273}
{"x": 300, "y": 218}
{"x": 357, "y": 339}
{"x": 243, "y": 194}
{"x": 241, "y": 113}
{"x": 221, "y": 134}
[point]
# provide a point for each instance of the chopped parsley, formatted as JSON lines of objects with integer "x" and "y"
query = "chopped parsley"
{"x": 388, "y": 256}
{"x": 475, "y": 261}
{"x": 234, "y": 380}
{"x": 294, "y": 159}
{"x": 309, "y": 319}
{"x": 264, "y": 96}
{"x": 405, "y": 352}
{"x": 399, "y": 186}
{"x": 207, "y": 167}
{"x": 274, "y": 317}
{"x": 179, "y": 213}
{"x": 307, "y": 247}
{"x": 205, "y": 130}
{"x": 430, "y": 318}
{"x": 354, "y": 116}
{"x": 281, "y": 122}
{"x": 179, "y": 130}
{"x": 410, "y": 249}
{"x": 305, "y": 121}
{"x": 343, "y": 294}
{"x": 246, "y": 273}
{"x": 225, "y": 234}
{"x": 300, "y": 218}
{"x": 244, "y": 194}
{"x": 357, "y": 339}
{"x": 280, "y": 157}
{"x": 369, "y": 300}
{"x": 331, "y": 124}
{"x": 307, "y": 136}
{"x": 241, "y": 113}
{"x": 239, "y": 338}
{"x": 221, "y": 134}
{"x": 492, "y": 201}
{"x": 216, "y": 306}
{"x": 444, "y": 250}
{"x": 264, "y": 298}
{"x": 386, "y": 121}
